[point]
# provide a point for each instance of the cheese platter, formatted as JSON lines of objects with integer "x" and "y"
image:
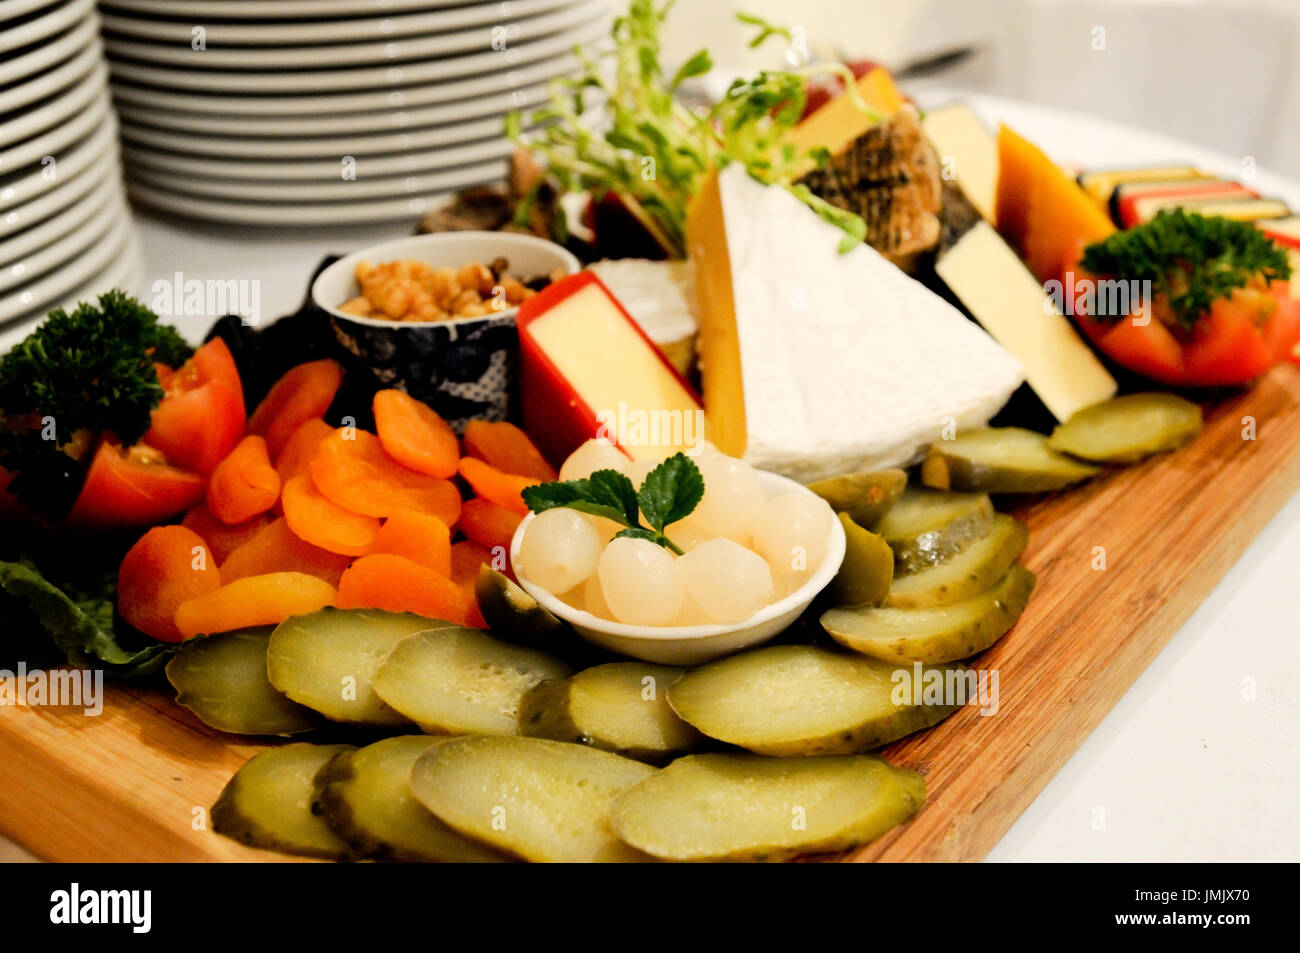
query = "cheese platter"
{"x": 761, "y": 522}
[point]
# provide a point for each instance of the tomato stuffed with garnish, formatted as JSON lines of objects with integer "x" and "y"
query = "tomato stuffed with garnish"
{"x": 1220, "y": 313}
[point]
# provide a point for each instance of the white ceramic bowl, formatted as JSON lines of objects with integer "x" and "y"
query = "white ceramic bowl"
{"x": 463, "y": 367}
{"x": 693, "y": 644}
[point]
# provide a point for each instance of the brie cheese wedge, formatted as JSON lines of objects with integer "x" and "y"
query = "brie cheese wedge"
{"x": 817, "y": 362}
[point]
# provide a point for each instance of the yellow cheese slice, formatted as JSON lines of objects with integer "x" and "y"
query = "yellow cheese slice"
{"x": 619, "y": 375}
{"x": 835, "y": 125}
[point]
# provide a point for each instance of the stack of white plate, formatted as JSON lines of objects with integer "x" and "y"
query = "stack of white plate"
{"x": 65, "y": 228}
{"x": 313, "y": 112}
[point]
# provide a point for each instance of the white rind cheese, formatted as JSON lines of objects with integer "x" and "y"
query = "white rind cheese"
{"x": 995, "y": 286}
{"x": 845, "y": 362}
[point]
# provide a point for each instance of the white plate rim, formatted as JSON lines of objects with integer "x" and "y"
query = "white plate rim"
{"x": 233, "y": 147}
{"x": 275, "y": 9}
{"x": 30, "y": 214}
{"x": 54, "y": 52}
{"x": 495, "y": 62}
{"x": 289, "y": 127}
{"x": 409, "y": 208}
{"x": 33, "y": 31}
{"x": 317, "y": 32}
{"x": 24, "y": 241}
{"x": 77, "y": 269}
{"x": 394, "y": 164}
{"x": 60, "y": 138}
{"x": 48, "y": 259}
{"x": 41, "y": 85}
{"x": 70, "y": 101}
{"x": 29, "y": 187}
{"x": 397, "y": 97}
{"x": 373, "y": 187}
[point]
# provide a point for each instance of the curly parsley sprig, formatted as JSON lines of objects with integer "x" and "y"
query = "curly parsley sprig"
{"x": 1190, "y": 259}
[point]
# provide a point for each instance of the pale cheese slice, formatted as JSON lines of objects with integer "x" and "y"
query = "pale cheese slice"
{"x": 967, "y": 152}
{"x": 660, "y": 297}
{"x": 996, "y": 287}
{"x": 817, "y": 362}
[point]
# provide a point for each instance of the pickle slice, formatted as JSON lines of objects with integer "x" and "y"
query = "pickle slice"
{"x": 748, "y": 807}
{"x": 1126, "y": 429}
{"x": 532, "y": 798}
{"x": 366, "y": 798}
{"x": 936, "y": 634}
{"x": 865, "y": 497}
{"x": 926, "y": 526}
{"x": 867, "y": 570}
{"x": 620, "y": 707}
{"x": 799, "y": 700}
{"x": 456, "y": 680}
{"x": 1001, "y": 460}
{"x": 222, "y": 679}
{"x": 968, "y": 573}
{"x": 268, "y": 803}
{"x": 327, "y": 661}
{"x": 512, "y": 613}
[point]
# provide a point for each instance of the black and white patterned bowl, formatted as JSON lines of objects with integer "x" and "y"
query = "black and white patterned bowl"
{"x": 466, "y": 368}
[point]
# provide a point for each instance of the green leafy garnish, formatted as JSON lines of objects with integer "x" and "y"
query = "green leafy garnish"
{"x": 1190, "y": 259}
{"x": 655, "y": 150}
{"x": 670, "y": 492}
{"x": 79, "y": 374}
{"x": 82, "y": 624}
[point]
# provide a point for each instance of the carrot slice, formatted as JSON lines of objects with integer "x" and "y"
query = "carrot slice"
{"x": 268, "y": 599}
{"x": 277, "y": 548}
{"x": 166, "y": 567}
{"x": 352, "y": 469}
{"x": 244, "y": 484}
{"x": 304, "y": 392}
{"x": 295, "y": 456}
{"x": 397, "y": 584}
{"x": 222, "y": 538}
{"x": 414, "y": 435}
{"x": 321, "y": 522}
{"x": 508, "y": 449}
{"x": 490, "y": 524}
{"x": 420, "y": 537}
{"x": 504, "y": 489}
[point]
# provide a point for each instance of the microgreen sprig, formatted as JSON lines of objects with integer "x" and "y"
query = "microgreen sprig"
{"x": 670, "y": 493}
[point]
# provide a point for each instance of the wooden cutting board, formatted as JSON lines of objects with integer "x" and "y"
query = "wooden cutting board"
{"x": 134, "y": 783}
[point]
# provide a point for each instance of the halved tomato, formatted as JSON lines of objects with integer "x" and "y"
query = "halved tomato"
{"x": 132, "y": 487}
{"x": 201, "y": 416}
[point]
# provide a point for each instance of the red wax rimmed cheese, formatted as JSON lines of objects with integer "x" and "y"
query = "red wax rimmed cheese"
{"x": 588, "y": 370}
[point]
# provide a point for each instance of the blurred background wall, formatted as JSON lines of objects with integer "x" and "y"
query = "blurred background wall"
{"x": 1222, "y": 73}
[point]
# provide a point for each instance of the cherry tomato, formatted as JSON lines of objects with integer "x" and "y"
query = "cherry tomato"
{"x": 201, "y": 416}
{"x": 132, "y": 487}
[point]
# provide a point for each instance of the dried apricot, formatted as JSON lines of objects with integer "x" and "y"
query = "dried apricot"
{"x": 304, "y": 392}
{"x": 277, "y": 548}
{"x": 397, "y": 584}
{"x": 414, "y": 435}
{"x": 244, "y": 484}
{"x": 508, "y": 449}
{"x": 352, "y": 469}
{"x": 419, "y": 537}
{"x": 489, "y": 523}
{"x": 268, "y": 599}
{"x": 166, "y": 567}
{"x": 222, "y": 538}
{"x": 321, "y": 522}
{"x": 295, "y": 456}
{"x": 502, "y": 488}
